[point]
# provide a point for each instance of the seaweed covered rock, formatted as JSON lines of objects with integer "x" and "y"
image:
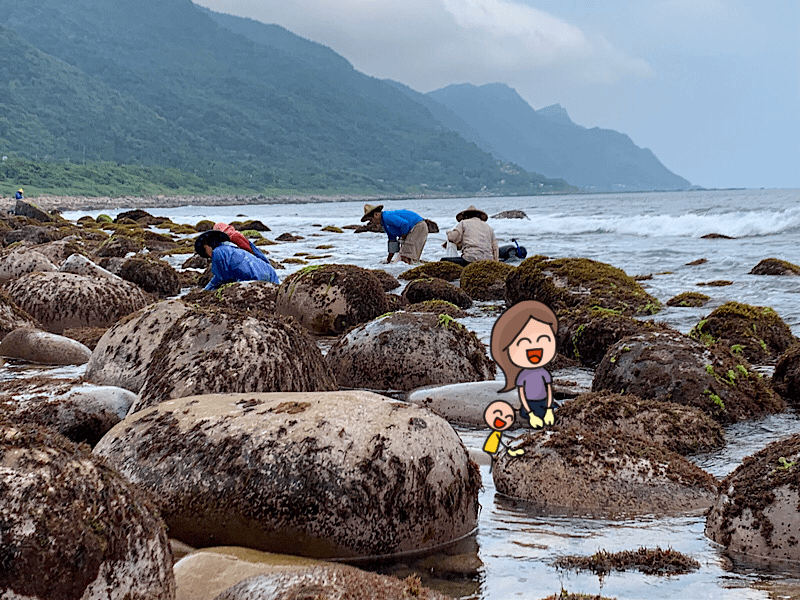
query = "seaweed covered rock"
{"x": 757, "y": 513}
{"x": 757, "y": 332}
{"x": 73, "y": 527}
{"x": 43, "y": 347}
{"x": 329, "y": 581}
{"x": 564, "y": 283}
{"x": 586, "y": 334}
{"x": 433, "y": 288}
{"x": 211, "y": 351}
{"x": 30, "y": 210}
{"x": 786, "y": 377}
{"x": 119, "y": 246}
{"x": 13, "y": 317}
{"x": 580, "y": 471}
{"x": 254, "y": 298}
{"x": 682, "y": 429}
{"x": 335, "y": 474}
{"x": 485, "y": 279}
{"x": 775, "y": 266}
{"x": 403, "y": 351}
{"x": 387, "y": 280}
{"x": 79, "y": 411}
{"x": 443, "y": 269}
{"x": 32, "y": 234}
{"x": 329, "y": 299}
{"x": 152, "y": 275}
{"x": 672, "y": 367}
{"x": 21, "y": 261}
{"x": 61, "y": 301}
{"x": 437, "y": 307}
{"x": 689, "y": 300}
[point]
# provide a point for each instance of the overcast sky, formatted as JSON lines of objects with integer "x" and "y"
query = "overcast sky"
{"x": 712, "y": 87}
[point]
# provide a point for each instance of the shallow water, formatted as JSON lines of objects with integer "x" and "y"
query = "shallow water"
{"x": 655, "y": 233}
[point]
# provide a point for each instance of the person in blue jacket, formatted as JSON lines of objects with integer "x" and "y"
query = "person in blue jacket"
{"x": 407, "y": 231}
{"x": 19, "y": 194}
{"x": 230, "y": 263}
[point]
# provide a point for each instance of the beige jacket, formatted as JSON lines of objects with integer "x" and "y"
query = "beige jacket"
{"x": 476, "y": 240}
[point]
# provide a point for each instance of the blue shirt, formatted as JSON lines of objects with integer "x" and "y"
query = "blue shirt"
{"x": 397, "y": 223}
{"x": 230, "y": 263}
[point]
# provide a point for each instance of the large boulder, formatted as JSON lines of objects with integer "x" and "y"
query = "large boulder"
{"x": 43, "y": 347}
{"x": 586, "y": 334}
{"x": 755, "y": 332}
{"x": 119, "y": 246}
{"x": 403, "y": 351}
{"x": 786, "y": 377}
{"x": 209, "y": 351}
{"x": 433, "y": 288}
{"x": 64, "y": 300}
{"x": 485, "y": 279}
{"x": 580, "y": 471}
{"x": 670, "y": 366}
{"x": 81, "y": 265}
{"x": 21, "y": 261}
{"x": 73, "y": 527}
{"x": 13, "y": 317}
{"x": 30, "y": 210}
{"x": 33, "y": 234}
{"x": 152, "y": 275}
{"x": 757, "y": 512}
{"x": 564, "y": 283}
{"x": 329, "y": 299}
{"x": 443, "y": 269}
{"x": 123, "y": 354}
{"x": 327, "y": 475}
{"x": 681, "y": 429}
{"x": 254, "y": 298}
{"x": 79, "y": 411}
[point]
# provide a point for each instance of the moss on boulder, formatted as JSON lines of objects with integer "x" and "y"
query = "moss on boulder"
{"x": 689, "y": 299}
{"x": 485, "y": 279}
{"x": 433, "y": 288}
{"x": 443, "y": 269}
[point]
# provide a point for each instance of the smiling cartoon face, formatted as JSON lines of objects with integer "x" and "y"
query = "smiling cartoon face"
{"x": 534, "y": 346}
{"x": 499, "y": 415}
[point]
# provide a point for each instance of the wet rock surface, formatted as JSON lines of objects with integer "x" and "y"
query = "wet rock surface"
{"x": 13, "y": 317}
{"x": 72, "y": 527}
{"x": 20, "y": 261}
{"x": 577, "y": 471}
{"x": 403, "y": 351}
{"x": 669, "y": 366}
{"x": 755, "y": 332}
{"x": 786, "y": 377}
{"x": 61, "y": 301}
{"x": 433, "y": 288}
{"x": 757, "y": 512}
{"x": 207, "y": 351}
{"x": 78, "y": 411}
{"x": 152, "y": 275}
{"x": 42, "y": 347}
{"x": 775, "y": 266}
{"x": 449, "y": 271}
{"x": 124, "y": 353}
{"x": 564, "y": 283}
{"x": 689, "y": 300}
{"x": 338, "y": 474}
{"x": 485, "y": 279}
{"x": 329, "y": 299}
{"x": 681, "y": 429}
{"x": 253, "y": 298}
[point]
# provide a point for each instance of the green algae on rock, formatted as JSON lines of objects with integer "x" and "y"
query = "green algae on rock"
{"x": 485, "y": 279}
{"x": 443, "y": 269}
{"x": 433, "y": 288}
{"x": 689, "y": 299}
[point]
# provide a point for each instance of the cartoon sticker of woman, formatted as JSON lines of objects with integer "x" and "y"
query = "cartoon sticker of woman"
{"x": 523, "y": 341}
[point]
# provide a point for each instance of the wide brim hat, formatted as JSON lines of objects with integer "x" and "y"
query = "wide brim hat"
{"x": 211, "y": 238}
{"x": 470, "y": 212}
{"x": 370, "y": 210}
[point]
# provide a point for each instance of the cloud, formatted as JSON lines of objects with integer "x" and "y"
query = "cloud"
{"x": 431, "y": 43}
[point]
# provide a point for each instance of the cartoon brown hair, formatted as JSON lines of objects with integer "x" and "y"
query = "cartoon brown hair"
{"x": 507, "y": 328}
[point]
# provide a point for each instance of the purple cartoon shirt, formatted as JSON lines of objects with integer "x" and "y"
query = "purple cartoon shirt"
{"x": 534, "y": 383}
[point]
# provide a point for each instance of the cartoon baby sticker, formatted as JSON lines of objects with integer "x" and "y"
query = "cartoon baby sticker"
{"x": 499, "y": 416}
{"x": 523, "y": 342}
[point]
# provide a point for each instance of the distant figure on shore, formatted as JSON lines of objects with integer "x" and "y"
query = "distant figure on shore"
{"x": 474, "y": 237}
{"x": 230, "y": 263}
{"x": 407, "y": 231}
{"x": 20, "y": 194}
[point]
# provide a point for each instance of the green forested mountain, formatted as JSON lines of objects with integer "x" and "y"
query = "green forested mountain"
{"x": 227, "y": 101}
{"x": 547, "y": 141}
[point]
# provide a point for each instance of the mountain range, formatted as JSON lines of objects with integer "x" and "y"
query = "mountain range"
{"x": 228, "y": 101}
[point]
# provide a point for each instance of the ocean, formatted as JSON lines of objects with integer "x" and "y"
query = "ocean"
{"x": 645, "y": 234}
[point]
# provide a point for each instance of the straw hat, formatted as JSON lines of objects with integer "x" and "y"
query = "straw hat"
{"x": 471, "y": 212}
{"x": 370, "y": 210}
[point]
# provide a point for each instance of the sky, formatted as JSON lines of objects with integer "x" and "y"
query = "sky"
{"x": 712, "y": 87}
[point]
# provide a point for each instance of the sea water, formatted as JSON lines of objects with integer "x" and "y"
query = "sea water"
{"x": 645, "y": 234}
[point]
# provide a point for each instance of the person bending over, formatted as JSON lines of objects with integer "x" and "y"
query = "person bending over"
{"x": 230, "y": 263}
{"x": 407, "y": 231}
{"x": 474, "y": 237}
